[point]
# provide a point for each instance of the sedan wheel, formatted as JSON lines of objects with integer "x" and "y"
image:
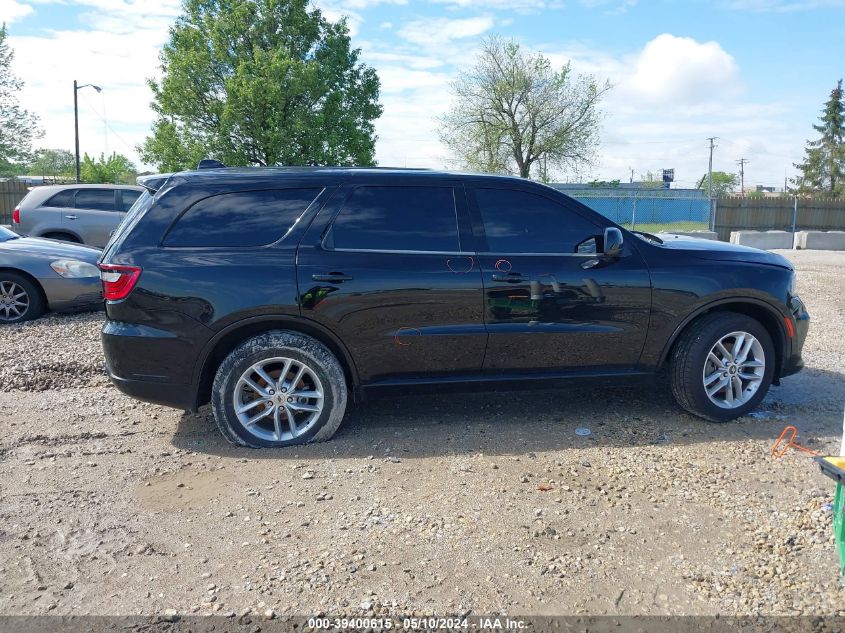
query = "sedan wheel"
{"x": 20, "y": 298}
{"x": 14, "y": 301}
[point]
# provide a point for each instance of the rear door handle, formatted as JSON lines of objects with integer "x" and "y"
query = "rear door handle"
{"x": 72, "y": 217}
{"x": 511, "y": 278}
{"x": 334, "y": 278}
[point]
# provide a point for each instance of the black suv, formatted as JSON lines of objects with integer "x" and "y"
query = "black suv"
{"x": 276, "y": 293}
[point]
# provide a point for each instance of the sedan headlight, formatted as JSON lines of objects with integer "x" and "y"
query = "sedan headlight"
{"x": 73, "y": 268}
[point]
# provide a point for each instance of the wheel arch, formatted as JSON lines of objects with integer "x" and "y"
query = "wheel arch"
{"x": 68, "y": 232}
{"x": 766, "y": 314}
{"x": 30, "y": 277}
{"x": 228, "y": 339}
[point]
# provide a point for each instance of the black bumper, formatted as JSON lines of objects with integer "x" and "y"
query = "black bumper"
{"x": 150, "y": 364}
{"x": 176, "y": 396}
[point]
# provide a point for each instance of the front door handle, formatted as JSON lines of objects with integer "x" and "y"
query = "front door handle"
{"x": 334, "y": 278}
{"x": 510, "y": 278}
{"x": 72, "y": 217}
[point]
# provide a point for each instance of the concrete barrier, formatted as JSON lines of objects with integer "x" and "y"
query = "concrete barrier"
{"x": 704, "y": 235}
{"x": 820, "y": 240}
{"x": 766, "y": 240}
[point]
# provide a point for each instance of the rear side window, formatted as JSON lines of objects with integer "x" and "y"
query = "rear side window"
{"x": 127, "y": 198}
{"x": 245, "y": 218}
{"x": 398, "y": 218}
{"x": 95, "y": 199}
{"x": 522, "y": 222}
{"x": 61, "y": 199}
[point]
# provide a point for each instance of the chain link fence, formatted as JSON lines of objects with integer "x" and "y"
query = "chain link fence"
{"x": 651, "y": 211}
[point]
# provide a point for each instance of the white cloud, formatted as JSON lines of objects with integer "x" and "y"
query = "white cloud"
{"x": 669, "y": 96}
{"x": 679, "y": 70}
{"x": 437, "y": 32}
{"x": 118, "y": 52}
{"x": 11, "y": 10}
{"x": 673, "y": 94}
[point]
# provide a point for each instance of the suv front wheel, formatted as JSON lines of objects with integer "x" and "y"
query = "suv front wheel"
{"x": 722, "y": 366}
{"x": 279, "y": 389}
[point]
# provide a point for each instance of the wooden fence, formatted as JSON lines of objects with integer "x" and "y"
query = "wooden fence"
{"x": 11, "y": 192}
{"x": 770, "y": 214}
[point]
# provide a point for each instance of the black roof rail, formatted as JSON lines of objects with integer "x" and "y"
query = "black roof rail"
{"x": 210, "y": 163}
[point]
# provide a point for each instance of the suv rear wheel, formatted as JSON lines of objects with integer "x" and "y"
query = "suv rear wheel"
{"x": 279, "y": 389}
{"x": 722, "y": 366}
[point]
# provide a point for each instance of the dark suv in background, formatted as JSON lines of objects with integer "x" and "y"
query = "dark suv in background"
{"x": 277, "y": 293}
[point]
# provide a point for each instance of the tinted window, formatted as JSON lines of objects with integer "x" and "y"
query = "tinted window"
{"x": 398, "y": 218}
{"x": 246, "y": 218}
{"x": 96, "y": 199}
{"x": 521, "y": 222}
{"x": 127, "y": 198}
{"x": 61, "y": 199}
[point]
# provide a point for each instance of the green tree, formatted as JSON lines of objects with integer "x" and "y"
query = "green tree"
{"x": 116, "y": 169}
{"x": 18, "y": 127}
{"x": 54, "y": 163}
{"x": 514, "y": 113}
{"x": 723, "y": 183}
{"x": 261, "y": 82}
{"x": 823, "y": 169}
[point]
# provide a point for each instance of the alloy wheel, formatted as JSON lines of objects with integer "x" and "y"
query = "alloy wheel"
{"x": 14, "y": 301}
{"x": 278, "y": 399}
{"x": 734, "y": 370}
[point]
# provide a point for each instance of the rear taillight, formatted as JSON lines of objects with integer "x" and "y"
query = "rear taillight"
{"x": 16, "y": 216}
{"x": 118, "y": 281}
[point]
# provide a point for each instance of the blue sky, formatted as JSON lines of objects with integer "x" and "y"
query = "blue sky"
{"x": 754, "y": 73}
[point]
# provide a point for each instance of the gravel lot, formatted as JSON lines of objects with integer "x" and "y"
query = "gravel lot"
{"x": 426, "y": 504}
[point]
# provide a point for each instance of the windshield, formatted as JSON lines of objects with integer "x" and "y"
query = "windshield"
{"x": 7, "y": 234}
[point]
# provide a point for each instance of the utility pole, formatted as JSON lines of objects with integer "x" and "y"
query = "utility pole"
{"x": 710, "y": 169}
{"x": 76, "y": 127}
{"x": 741, "y": 162}
{"x": 77, "y": 88}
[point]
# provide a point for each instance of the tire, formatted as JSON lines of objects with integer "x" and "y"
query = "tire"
{"x": 278, "y": 354}
{"x": 64, "y": 237}
{"x": 692, "y": 366}
{"x": 11, "y": 287}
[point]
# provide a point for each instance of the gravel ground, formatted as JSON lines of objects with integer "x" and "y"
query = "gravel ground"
{"x": 425, "y": 504}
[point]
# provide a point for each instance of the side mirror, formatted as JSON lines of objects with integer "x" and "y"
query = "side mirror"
{"x": 612, "y": 242}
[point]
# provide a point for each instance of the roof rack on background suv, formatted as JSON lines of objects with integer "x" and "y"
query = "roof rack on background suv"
{"x": 210, "y": 163}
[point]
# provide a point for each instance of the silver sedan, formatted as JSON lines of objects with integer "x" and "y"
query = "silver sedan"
{"x": 38, "y": 274}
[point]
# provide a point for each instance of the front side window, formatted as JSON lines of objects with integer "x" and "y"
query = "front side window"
{"x": 398, "y": 218}
{"x": 240, "y": 219}
{"x": 95, "y": 199}
{"x": 521, "y": 222}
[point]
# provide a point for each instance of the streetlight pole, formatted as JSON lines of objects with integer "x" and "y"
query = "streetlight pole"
{"x": 76, "y": 88}
{"x": 76, "y": 127}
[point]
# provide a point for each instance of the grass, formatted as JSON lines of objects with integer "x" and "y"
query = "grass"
{"x": 665, "y": 227}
